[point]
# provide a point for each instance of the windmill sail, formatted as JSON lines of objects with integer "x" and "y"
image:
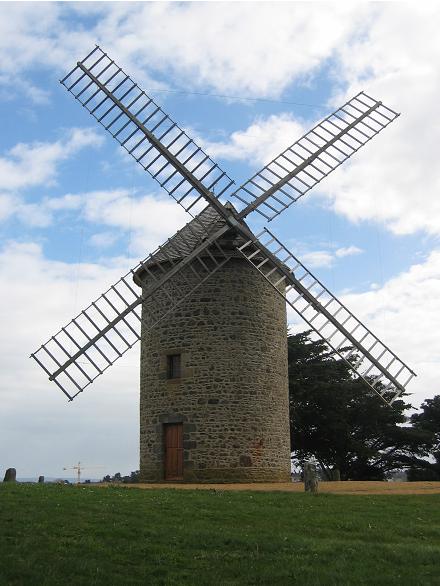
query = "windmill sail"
{"x": 91, "y": 342}
{"x": 146, "y": 132}
{"x": 314, "y": 156}
{"x": 83, "y": 349}
{"x": 380, "y": 368}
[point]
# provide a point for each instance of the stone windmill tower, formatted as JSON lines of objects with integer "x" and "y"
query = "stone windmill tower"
{"x": 209, "y": 306}
{"x": 214, "y": 382}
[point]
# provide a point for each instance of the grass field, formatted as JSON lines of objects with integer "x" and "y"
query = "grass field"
{"x": 53, "y": 534}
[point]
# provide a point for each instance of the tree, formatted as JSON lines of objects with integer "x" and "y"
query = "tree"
{"x": 338, "y": 419}
{"x": 132, "y": 478}
{"x": 427, "y": 423}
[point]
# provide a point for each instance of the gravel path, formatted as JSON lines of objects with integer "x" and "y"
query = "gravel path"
{"x": 348, "y": 487}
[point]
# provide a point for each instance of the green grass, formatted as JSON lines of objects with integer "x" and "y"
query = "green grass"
{"x": 67, "y": 535}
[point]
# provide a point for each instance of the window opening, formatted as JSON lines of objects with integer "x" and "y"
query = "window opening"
{"x": 174, "y": 366}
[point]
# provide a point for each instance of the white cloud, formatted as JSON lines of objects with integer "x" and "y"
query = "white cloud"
{"x": 35, "y": 215}
{"x": 391, "y": 50}
{"x": 348, "y": 251}
{"x": 8, "y": 204}
{"x": 149, "y": 219}
{"x": 240, "y": 47}
{"x": 11, "y": 85}
{"x": 263, "y": 140}
{"x": 39, "y": 214}
{"x": 65, "y": 202}
{"x": 39, "y": 296}
{"x": 103, "y": 239}
{"x": 30, "y": 164}
{"x": 248, "y": 48}
{"x": 326, "y": 258}
{"x": 405, "y": 314}
{"x": 318, "y": 258}
{"x": 35, "y": 36}
{"x": 394, "y": 180}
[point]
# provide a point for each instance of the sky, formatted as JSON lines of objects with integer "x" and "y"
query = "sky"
{"x": 245, "y": 80}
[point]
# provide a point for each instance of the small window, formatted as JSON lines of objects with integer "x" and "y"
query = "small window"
{"x": 173, "y": 366}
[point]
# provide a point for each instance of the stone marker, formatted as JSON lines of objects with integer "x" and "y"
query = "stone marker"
{"x": 40, "y": 479}
{"x": 335, "y": 474}
{"x": 310, "y": 477}
{"x": 10, "y": 475}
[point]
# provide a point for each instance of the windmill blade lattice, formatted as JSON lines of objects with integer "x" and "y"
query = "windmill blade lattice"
{"x": 146, "y": 132}
{"x": 111, "y": 325}
{"x": 313, "y": 157}
{"x": 328, "y": 317}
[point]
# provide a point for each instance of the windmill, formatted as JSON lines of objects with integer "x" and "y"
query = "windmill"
{"x": 209, "y": 306}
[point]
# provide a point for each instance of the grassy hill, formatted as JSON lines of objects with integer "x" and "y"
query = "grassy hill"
{"x": 90, "y": 535}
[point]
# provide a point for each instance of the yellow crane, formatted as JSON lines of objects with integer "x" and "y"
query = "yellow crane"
{"x": 79, "y": 467}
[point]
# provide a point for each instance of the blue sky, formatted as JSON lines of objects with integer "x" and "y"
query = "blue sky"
{"x": 76, "y": 212}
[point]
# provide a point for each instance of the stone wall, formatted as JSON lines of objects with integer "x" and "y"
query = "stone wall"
{"x": 232, "y": 396}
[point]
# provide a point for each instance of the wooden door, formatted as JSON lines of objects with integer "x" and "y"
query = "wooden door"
{"x": 173, "y": 433}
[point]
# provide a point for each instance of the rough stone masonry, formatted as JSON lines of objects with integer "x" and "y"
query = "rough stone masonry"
{"x": 232, "y": 393}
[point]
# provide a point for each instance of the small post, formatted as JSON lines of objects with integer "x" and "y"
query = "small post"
{"x": 10, "y": 475}
{"x": 335, "y": 474}
{"x": 40, "y": 479}
{"x": 310, "y": 477}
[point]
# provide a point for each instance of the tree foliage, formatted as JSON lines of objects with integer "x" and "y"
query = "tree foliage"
{"x": 427, "y": 423}
{"x": 132, "y": 478}
{"x": 339, "y": 420}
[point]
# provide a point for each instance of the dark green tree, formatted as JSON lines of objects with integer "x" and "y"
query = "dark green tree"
{"x": 133, "y": 478}
{"x": 427, "y": 424}
{"x": 338, "y": 419}
{"x": 129, "y": 479}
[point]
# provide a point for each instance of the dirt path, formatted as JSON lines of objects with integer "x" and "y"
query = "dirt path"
{"x": 347, "y": 487}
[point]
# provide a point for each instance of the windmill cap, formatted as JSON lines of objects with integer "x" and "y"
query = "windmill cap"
{"x": 189, "y": 237}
